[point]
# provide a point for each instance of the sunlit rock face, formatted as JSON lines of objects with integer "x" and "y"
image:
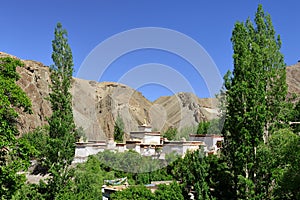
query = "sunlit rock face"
{"x": 97, "y": 105}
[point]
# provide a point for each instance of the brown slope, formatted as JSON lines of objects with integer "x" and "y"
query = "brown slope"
{"x": 35, "y": 82}
{"x": 293, "y": 78}
{"x": 96, "y": 105}
{"x": 186, "y": 109}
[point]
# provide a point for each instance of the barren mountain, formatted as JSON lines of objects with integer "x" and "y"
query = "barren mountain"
{"x": 293, "y": 78}
{"x": 96, "y": 105}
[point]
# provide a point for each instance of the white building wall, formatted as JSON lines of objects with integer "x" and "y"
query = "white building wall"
{"x": 151, "y": 139}
{"x": 138, "y": 148}
{"x": 121, "y": 148}
{"x": 82, "y": 153}
{"x": 172, "y": 149}
{"x": 148, "y": 151}
{"x": 86, "y": 151}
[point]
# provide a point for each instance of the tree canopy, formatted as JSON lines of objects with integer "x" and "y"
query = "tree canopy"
{"x": 255, "y": 97}
{"x": 61, "y": 142}
{"x": 13, "y": 153}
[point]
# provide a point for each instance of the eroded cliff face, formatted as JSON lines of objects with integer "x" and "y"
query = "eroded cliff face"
{"x": 97, "y": 105}
{"x": 186, "y": 109}
{"x": 35, "y": 81}
{"x": 293, "y": 78}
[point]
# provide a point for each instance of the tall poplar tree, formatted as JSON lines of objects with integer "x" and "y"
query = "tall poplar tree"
{"x": 255, "y": 93}
{"x": 61, "y": 144}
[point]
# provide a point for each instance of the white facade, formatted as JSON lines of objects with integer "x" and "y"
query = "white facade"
{"x": 180, "y": 147}
{"x": 149, "y": 143}
{"x": 151, "y": 138}
{"x": 83, "y": 150}
{"x": 145, "y": 128}
{"x": 213, "y": 143}
{"x": 146, "y": 137}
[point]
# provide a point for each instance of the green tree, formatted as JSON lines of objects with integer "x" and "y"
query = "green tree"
{"x": 119, "y": 129}
{"x": 215, "y": 126}
{"x": 254, "y": 99}
{"x": 171, "y": 133}
{"x": 169, "y": 192}
{"x": 80, "y": 134}
{"x": 184, "y": 132}
{"x": 296, "y": 117}
{"x": 279, "y": 166}
{"x": 38, "y": 139}
{"x": 138, "y": 192}
{"x": 61, "y": 143}
{"x": 210, "y": 127}
{"x": 13, "y": 153}
{"x": 88, "y": 179}
{"x": 129, "y": 161}
{"x": 28, "y": 192}
{"x": 203, "y": 127}
{"x": 219, "y": 178}
{"x": 192, "y": 171}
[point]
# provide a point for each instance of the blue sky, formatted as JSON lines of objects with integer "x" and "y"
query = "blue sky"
{"x": 27, "y": 31}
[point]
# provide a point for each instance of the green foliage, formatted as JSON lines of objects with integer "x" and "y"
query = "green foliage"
{"x": 260, "y": 160}
{"x": 87, "y": 181}
{"x": 203, "y": 127}
{"x": 119, "y": 129}
{"x": 139, "y": 192}
{"x": 129, "y": 161}
{"x": 192, "y": 170}
{"x": 13, "y": 153}
{"x": 163, "y": 192}
{"x": 213, "y": 126}
{"x": 296, "y": 117}
{"x": 38, "y": 140}
{"x": 219, "y": 177}
{"x": 169, "y": 192}
{"x": 279, "y": 166}
{"x": 28, "y": 192}
{"x": 184, "y": 132}
{"x": 157, "y": 175}
{"x": 90, "y": 177}
{"x": 171, "y": 133}
{"x": 80, "y": 134}
{"x": 254, "y": 99}
{"x": 61, "y": 143}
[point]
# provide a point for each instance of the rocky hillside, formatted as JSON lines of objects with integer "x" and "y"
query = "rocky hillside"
{"x": 35, "y": 80}
{"x": 293, "y": 78}
{"x": 96, "y": 105}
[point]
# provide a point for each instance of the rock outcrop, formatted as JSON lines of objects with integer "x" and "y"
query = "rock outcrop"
{"x": 35, "y": 81}
{"x": 293, "y": 78}
{"x": 97, "y": 105}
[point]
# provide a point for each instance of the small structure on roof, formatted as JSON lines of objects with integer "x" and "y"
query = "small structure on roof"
{"x": 145, "y": 135}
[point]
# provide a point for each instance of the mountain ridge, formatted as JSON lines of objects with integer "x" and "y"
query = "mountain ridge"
{"x": 96, "y": 105}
